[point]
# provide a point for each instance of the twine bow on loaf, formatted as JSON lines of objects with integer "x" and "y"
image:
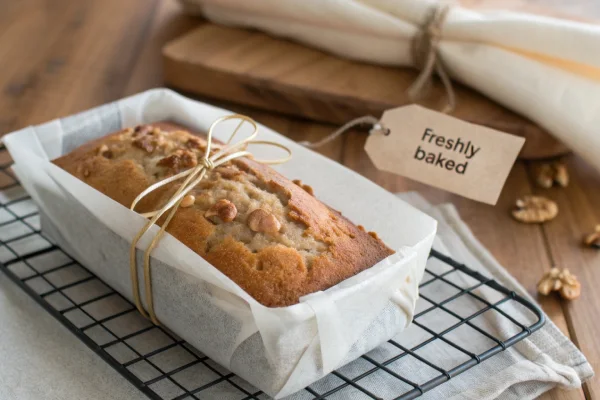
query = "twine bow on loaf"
{"x": 425, "y": 49}
{"x": 193, "y": 176}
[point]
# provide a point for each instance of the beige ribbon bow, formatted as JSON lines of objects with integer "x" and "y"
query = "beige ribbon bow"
{"x": 193, "y": 177}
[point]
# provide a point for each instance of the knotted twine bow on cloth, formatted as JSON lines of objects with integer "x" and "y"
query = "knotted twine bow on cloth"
{"x": 426, "y": 56}
{"x": 194, "y": 176}
{"x": 425, "y": 49}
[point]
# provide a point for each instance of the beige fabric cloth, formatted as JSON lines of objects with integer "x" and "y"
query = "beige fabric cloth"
{"x": 545, "y": 360}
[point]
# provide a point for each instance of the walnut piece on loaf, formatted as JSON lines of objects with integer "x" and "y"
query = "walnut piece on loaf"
{"x": 269, "y": 235}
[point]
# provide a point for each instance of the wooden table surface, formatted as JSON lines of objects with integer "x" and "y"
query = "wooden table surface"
{"x": 60, "y": 57}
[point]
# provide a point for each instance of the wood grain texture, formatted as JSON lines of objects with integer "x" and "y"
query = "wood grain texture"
{"x": 255, "y": 69}
{"x": 167, "y": 23}
{"x": 579, "y": 206}
{"x": 60, "y": 57}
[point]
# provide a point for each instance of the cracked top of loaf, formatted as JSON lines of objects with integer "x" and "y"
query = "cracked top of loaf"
{"x": 268, "y": 234}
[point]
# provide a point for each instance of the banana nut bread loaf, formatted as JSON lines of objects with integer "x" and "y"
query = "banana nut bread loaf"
{"x": 268, "y": 234}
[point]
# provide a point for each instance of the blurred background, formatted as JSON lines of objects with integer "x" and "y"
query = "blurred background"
{"x": 59, "y": 57}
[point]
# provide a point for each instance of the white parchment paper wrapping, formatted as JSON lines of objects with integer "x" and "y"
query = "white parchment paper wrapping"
{"x": 279, "y": 350}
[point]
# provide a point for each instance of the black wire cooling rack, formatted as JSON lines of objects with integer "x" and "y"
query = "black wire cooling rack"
{"x": 163, "y": 366}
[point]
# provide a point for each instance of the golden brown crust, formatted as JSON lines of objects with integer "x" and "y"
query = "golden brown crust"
{"x": 315, "y": 249}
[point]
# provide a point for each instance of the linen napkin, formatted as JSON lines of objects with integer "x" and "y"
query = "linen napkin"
{"x": 546, "y": 69}
{"x": 545, "y": 360}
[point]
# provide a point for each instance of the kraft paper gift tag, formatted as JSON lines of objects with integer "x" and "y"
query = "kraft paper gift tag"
{"x": 430, "y": 147}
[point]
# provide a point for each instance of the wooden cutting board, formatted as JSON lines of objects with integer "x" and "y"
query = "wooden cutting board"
{"x": 255, "y": 69}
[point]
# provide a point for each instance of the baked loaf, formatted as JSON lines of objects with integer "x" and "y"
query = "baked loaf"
{"x": 268, "y": 234}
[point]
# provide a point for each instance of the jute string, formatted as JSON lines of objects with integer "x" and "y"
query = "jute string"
{"x": 425, "y": 49}
{"x": 193, "y": 176}
{"x": 367, "y": 119}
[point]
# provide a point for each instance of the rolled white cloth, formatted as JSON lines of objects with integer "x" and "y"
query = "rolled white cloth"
{"x": 546, "y": 69}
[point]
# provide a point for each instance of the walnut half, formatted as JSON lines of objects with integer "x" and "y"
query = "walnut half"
{"x": 561, "y": 175}
{"x": 105, "y": 152}
{"x": 545, "y": 176}
{"x": 549, "y": 174}
{"x": 535, "y": 210}
{"x": 593, "y": 239}
{"x": 561, "y": 281}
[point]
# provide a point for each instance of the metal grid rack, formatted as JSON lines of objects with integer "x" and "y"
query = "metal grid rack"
{"x": 163, "y": 366}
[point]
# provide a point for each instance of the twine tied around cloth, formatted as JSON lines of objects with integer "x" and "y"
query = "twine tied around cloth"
{"x": 194, "y": 175}
{"x": 425, "y": 49}
{"x": 425, "y": 53}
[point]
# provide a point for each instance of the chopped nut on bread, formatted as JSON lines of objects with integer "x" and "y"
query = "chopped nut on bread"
{"x": 187, "y": 201}
{"x": 307, "y": 188}
{"x": 263, "y": 221}
{"x": 222, "y": 211}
